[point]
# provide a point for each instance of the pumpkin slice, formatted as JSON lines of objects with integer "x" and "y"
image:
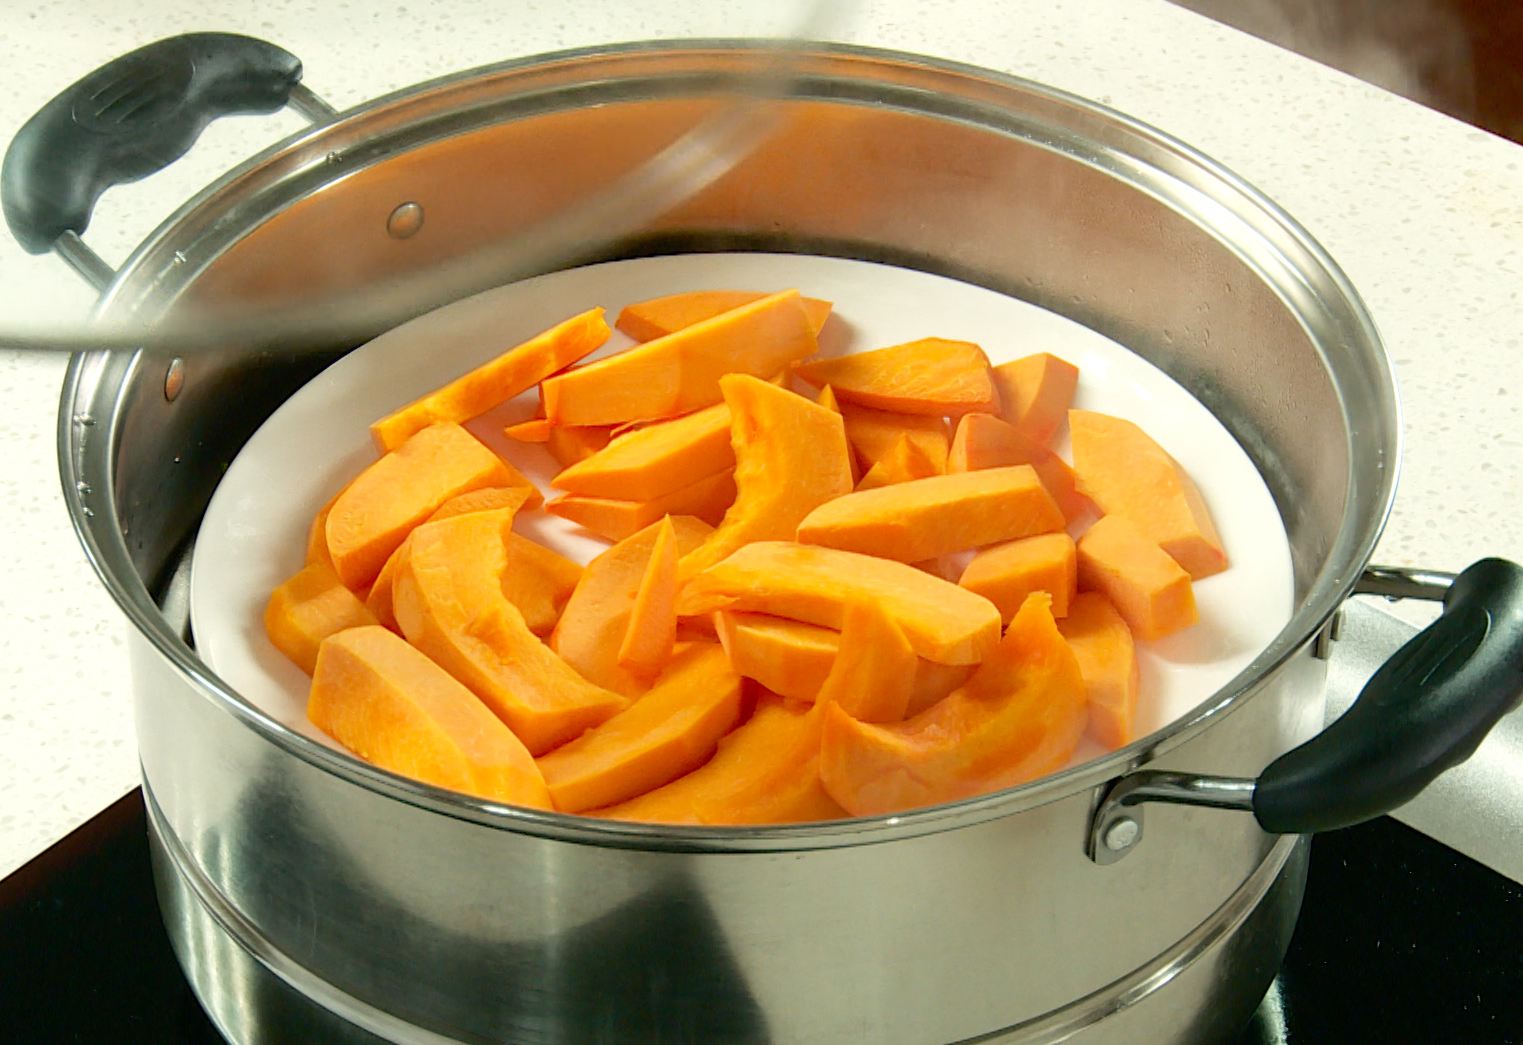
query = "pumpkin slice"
{"x": 873, "y": 675}
{"x": 1019, "y": 717}
{"x": 1129, "y": 474}
{"x": 874, "y": 433}
{"x": 534, "y": 430}
{"x": 1006, "y": 573}
{"x": 680, "y": 372}
{"x": 448, "y": 599}
{"x": 491, "y": 498}
{"x": 647, "y": 645}
{"x": 707, "y": 499}
{"x": 317, "y": 533}
{"x": 516, "y": 370}
{"x": 1150, "y": 590}
{"x": 924, "y": 518}
{"x": 596, "y": 618}
{"x": 539, "y": 582}
{"x": 984, "y": 441}
{"x": 760, "y": 774}
{"x": 932, "y": 376}
{"x": 1035, "y": 393}
{"x": 397, "y": 709}
{"x": 656, "y": 460}
{"x": 906, "y": 461}
{"x": 308, "y": 608}
{"x": 791, "y": 457}
{"x": 648, "y": 320}
{"x": 942, "y": 622}
{"x": 792, "y": 659}
{"x": 375, "y": 512}
{"x": 1107, "y": 659}
{"x": 670, "y": 730}
{"x": 569, "y": 444}
{"x": 827, "y": 399}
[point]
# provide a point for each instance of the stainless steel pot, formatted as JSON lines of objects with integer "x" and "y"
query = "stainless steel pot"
{"x": 312, "y": 896}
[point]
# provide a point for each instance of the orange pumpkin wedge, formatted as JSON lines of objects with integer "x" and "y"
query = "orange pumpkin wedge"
{"x": 647, "y": 645}
{"x": 790, "y": 458}
{"x": 924, "y": 518}
{"x": 658, "y": 317}
{"x": 397, "y": 709}
{"x": 792, "y": 659}
{"x": 1129, "y": 474}
{"x": 1006, "y": 573}
{"x": 655, "y": 460}
{"x": 516, "y": 370}
{"x": 448, "y": 600}
{"x": 760, "y": 774}
{"x": 984, "y": 441}
{"x": 308, "y": 608}
{"x": 670, "y": 730}
{"x": 942, "y": 622}
{"x": 680, "y": 372}
{"x": 1035, "y": 393}
{"x": 534, "y": 430}
{"x": 873, "y": 676}
{"x": 1107, "y": 659}
{"x": 491, "y": 498}
{"x": 827, "y": 399}
{"x": 707, "y": 499}
{"x": 596, "y": 617}
{"x": 569, "y": 444}
{"x": 375, "y": 512}
{"x": 1150, "y": 590}
{"x": 874, "y": 433}
{"x": 1019, "y": 717}
{"x": 932, "y": 376}
{"x": 906, "y": 461}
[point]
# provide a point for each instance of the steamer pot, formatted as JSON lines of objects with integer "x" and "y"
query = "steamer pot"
{"x": 313, "y": 897}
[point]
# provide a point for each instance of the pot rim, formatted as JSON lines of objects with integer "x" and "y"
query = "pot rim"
{"x": 105, "y": 547}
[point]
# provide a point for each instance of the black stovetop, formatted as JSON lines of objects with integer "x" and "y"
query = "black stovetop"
{"x": 1401, "y": 939}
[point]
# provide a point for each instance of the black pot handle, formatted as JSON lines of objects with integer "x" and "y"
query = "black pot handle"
{"x": 1424, "y": 711}
{"x": 128, "y": 119}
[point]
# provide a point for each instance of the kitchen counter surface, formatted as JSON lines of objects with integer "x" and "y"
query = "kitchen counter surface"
{"x": 1424, "y": 213}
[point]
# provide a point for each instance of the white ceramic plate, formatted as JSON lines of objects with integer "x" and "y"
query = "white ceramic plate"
{"x": 254, "y": 533}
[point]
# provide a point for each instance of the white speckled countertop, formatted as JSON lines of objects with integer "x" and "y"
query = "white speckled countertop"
{"x": 1424, "y": 213}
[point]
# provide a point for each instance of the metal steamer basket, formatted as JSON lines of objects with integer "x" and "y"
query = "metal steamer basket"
{"x": 313, "y": 897}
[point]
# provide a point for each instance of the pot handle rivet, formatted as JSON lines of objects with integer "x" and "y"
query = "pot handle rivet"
{"x": 1121, "y": 834}
{"x": 174, "y": 379}
{"x": 405, "y": 222}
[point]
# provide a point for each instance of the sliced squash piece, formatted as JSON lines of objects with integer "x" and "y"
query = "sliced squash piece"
{"x": 647, "y": 645}
{"x": 534, "y": 430}
{"x": 655, "y": 460}
{"x": 670, "y": 730}
{"x": 707, "y": 499}
{"x": 984, "y": 441}
{"x": 569, "y": 444}
{"x": 942, "y": 622}
{"x": 308, "y": 608}
{"x": 1035, "y": 393}
{"x": 397, "y": 709}
{"x": 1151, "y": 591}
{"x": 680, "y": 372}
{"x": 874, "y": 433}
{"x": 760, "y": 774}
{"x": 924, "y": 518}
{"x": 790, "y": 457}
{"x": 906, "y": 461}
{"x": 873, "y": 676}
{"x": 648, "y": 320}
{"x": 376, "y": 512}
{"x": 596, "y": 618}
{"x": 1107, "y": 659}
{"x": 1006, "y": 573}
{"x": 1019, "y": 717}
{"x": 932, "y": 376}
{"x": 448, "y": 599}
{"x": 516, "y": 370}
{"x": 1129, "y": 474}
